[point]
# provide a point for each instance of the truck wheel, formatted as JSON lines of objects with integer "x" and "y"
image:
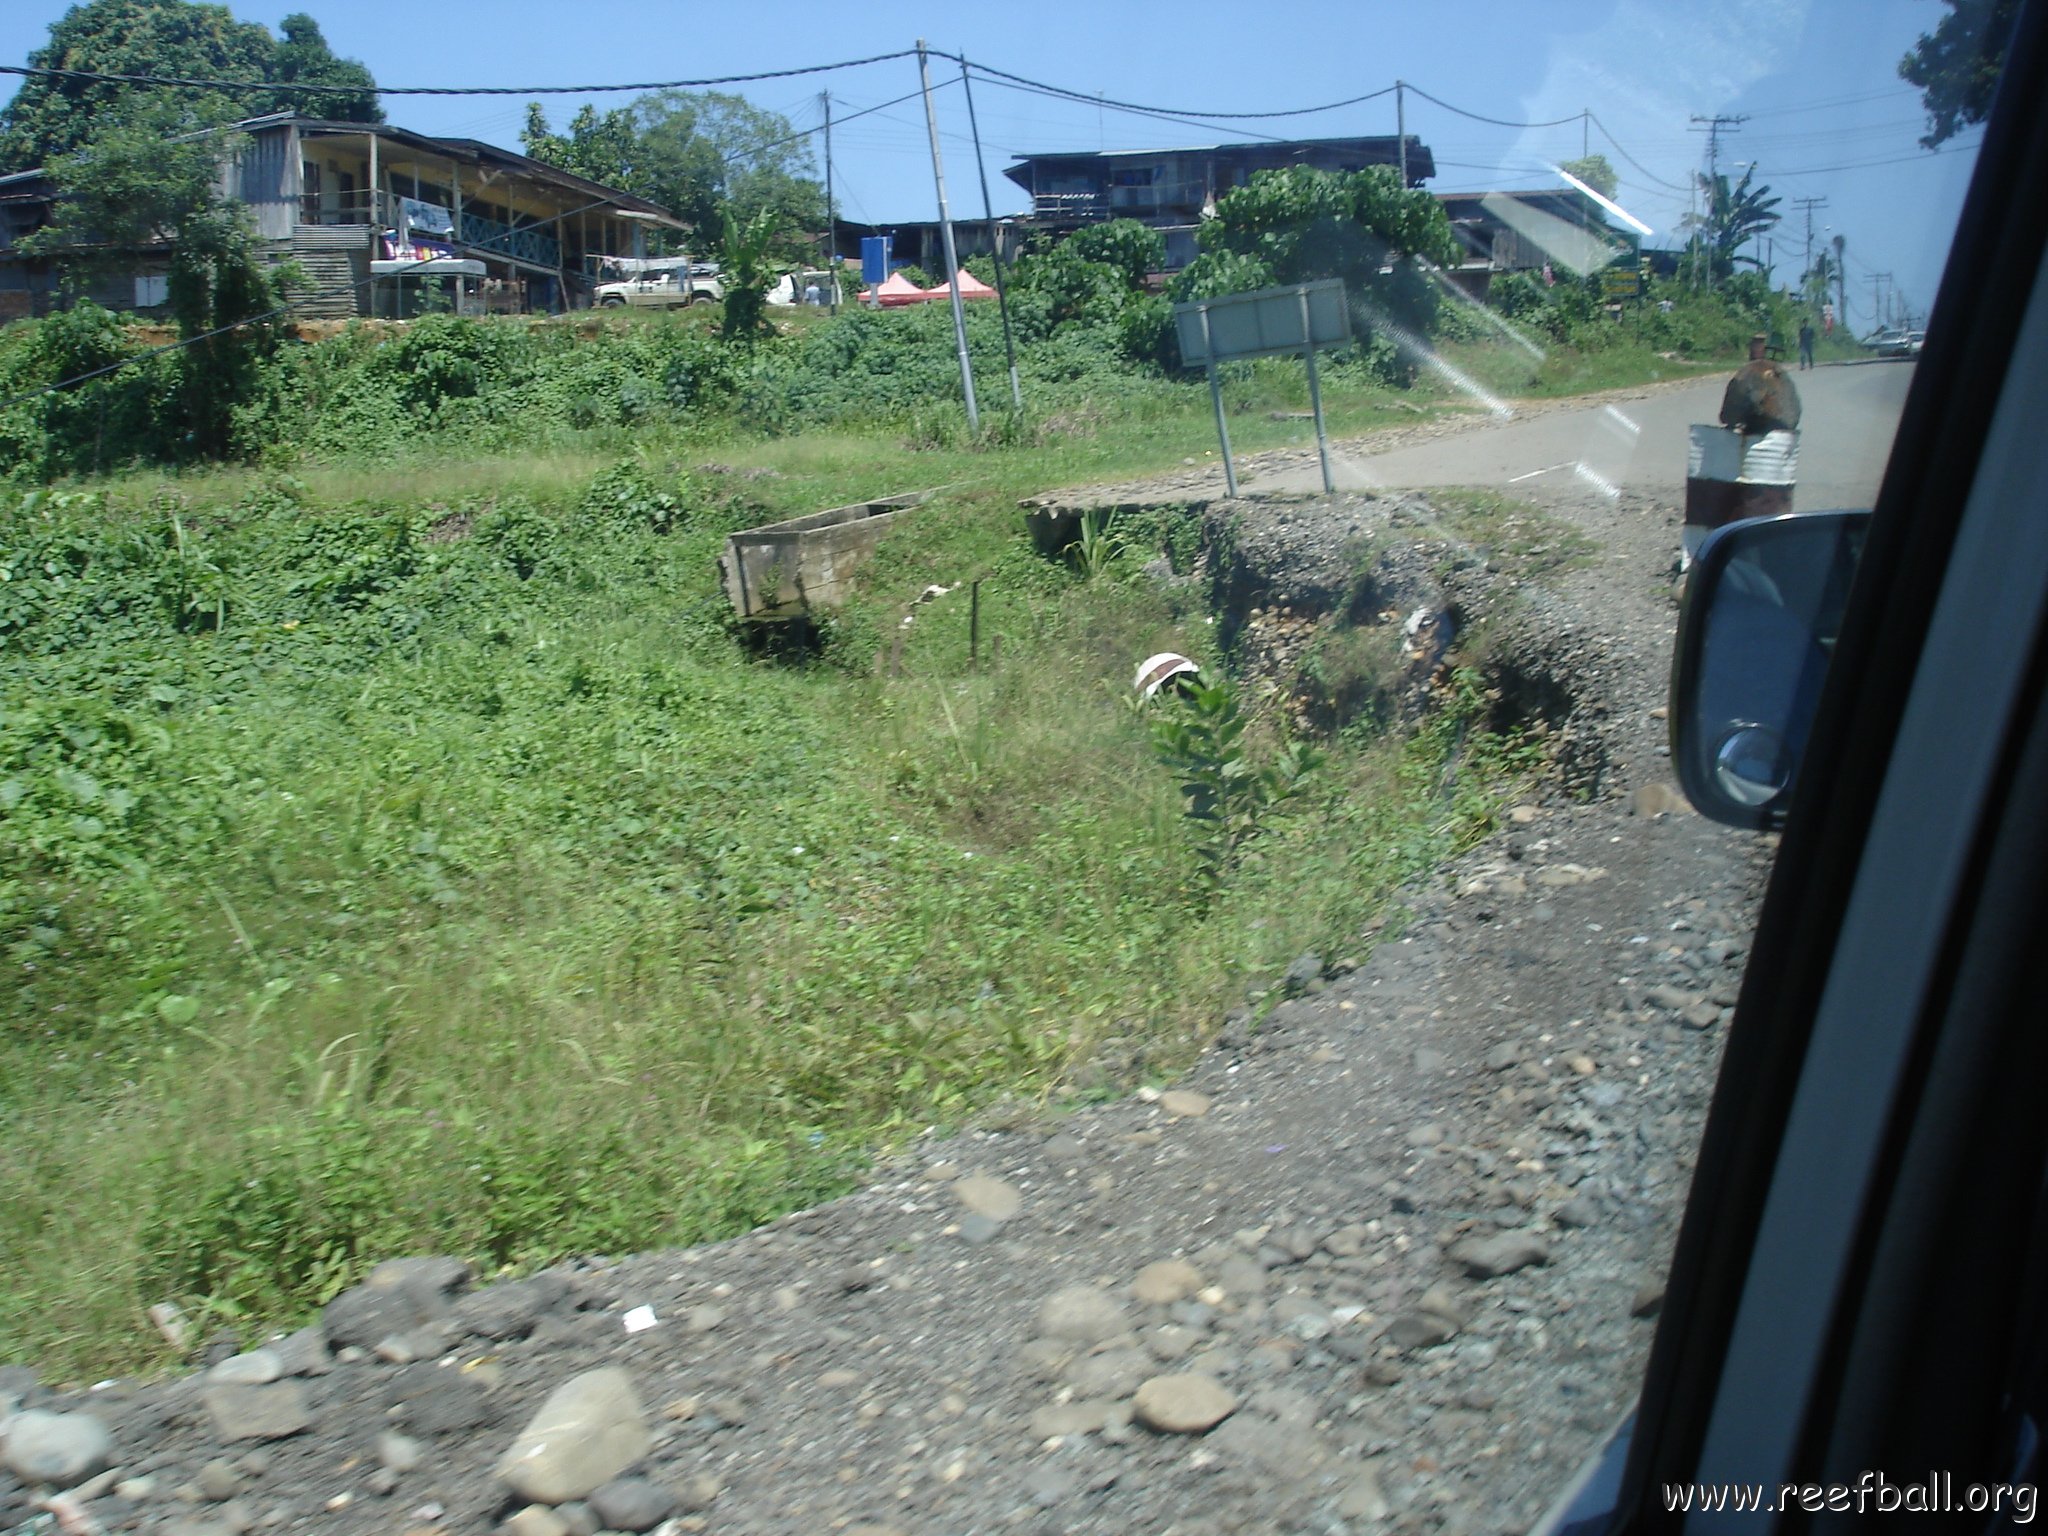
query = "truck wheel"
{"x": 702, "y": 298}
{"x": 611, "y": 302}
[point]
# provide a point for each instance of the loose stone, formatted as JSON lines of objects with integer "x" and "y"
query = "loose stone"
{"x": 1189, "y": 1403}
{"x": 1165, "y": 1282}
{"x": 60, "y": 1449}
{"x": 268, "y": 1412}
{"x": 993, "y": 1198}
{"x": 589, "y": 1430}
{"x": 1081, "y": 1314}
{"x": 1501, "y": 1254}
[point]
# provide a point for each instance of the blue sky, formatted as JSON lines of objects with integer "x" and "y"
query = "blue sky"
{"x": 1828, "y": 115}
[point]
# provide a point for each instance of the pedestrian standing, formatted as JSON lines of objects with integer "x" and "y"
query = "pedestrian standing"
{"x": 1805, "y": 343}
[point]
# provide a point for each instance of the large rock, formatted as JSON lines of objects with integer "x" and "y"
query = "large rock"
{"x": 1166, "y": 1281}
{"x": 1501, "y": 1254}
{"x": 267, "y": 1412}
{"x": 1082, "y": 1315}
{"x": 428, "y": 1400}
{"x": 253, "y": 1369}
{"x": 995, "y": 1199}
{"x": 1184, "y": 1404}
{"x": 398, "y": 1295}
{"x": 1419, "y": 1329}
{"x": 589, "y": 1430}
{"x": 510, "y": 1310}
{"x": 60, "y": 1449}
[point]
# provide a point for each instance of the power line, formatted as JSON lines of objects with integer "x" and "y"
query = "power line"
{"x": 1837, "y": 101}
{"x": 1147, "y": 112}
{"x": 1198, "y": 118}
{"x": 1863, "y": 165}
{"x": 1498, "y": 122}
{"x": 1606, "y": 133}
{"x": 1090, "y": 98}
{"x": 307, "y": 87}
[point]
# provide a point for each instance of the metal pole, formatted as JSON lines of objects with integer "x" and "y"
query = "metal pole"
{"x": 931, "y": 120}
{"x": 995, "y": 244}
{"x": 831, "y": 216}
{"x": 1216, "y": 399}
{"x": 1401, "y": 127}
{"x": 1315, "y": 396}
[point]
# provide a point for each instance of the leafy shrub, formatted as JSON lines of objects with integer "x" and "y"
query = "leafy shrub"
{"x": 1131, "y": 249}
{"x": 1227, "y": 798}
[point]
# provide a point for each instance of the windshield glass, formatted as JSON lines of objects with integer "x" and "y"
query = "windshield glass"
{"x": 1012, "y": 864}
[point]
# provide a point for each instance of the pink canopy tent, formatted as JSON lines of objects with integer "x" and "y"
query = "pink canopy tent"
{"x": 897, "y": 290}
{"x": 971, "y": 287}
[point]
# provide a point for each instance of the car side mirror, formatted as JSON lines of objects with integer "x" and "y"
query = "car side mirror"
{"x": 1763, "y": 605}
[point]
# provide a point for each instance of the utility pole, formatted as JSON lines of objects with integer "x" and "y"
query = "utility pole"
{"x": 995, "y": 243}
{"x": 931, "y": 121}
{"x": 1585, "y": 132}
{"x": 1809, "y": 204}
{"x": 1401, "y": 127}
{"x": 1842, "y": 277}
{"x": 1715, "y": 126}
{"x": 831, "y": 214}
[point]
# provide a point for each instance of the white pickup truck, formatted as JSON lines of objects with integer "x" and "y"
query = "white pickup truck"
{"x": 667, "y": 282}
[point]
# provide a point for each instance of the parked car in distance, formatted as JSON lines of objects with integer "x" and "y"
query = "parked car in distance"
{"x": 1896, "y": 343}
{"x": 663, "y": 283}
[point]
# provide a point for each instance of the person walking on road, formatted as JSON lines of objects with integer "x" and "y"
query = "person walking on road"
{"x": 1805, "y": 343}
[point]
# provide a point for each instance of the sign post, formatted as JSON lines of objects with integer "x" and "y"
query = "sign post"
{"x": 1315, "y": 399}
{"x": 1216, "y": 399}
{"x": 1298, "y": 318}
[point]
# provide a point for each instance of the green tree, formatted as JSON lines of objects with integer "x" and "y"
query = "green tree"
{"x": 1956, "y": 66}
{"x": 147, "y": 181}
{"x": 1595, "y": 172}
{"x": 707, "y": 153}
{"x": 1133, "y": 250}
{"x": 1299, "y": 224}
{"x": 54, "y": 115}
{"x": 1818, "y": 284}
{"x": 747, "y": 274}
{"x": 603, "y": 147}
{"x": 1735, "y": 214}
{"x": 699, "y": 154}
{"x": 303, "y": 59}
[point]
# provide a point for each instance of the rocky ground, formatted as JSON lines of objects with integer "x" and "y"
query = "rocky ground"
{"x": 1387, "y": 1260}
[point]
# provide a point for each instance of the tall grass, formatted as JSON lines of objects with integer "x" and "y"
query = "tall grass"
{"x": 450, "y": 879}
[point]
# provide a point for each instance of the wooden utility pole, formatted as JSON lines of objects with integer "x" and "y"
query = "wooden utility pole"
{"x": 1809, "y": 204}
{"x": 1714, "y": 127}
{"x": 931, "y": 120}
{"x": 995, "y": 244}
{"x": 1401, "y": 127}
{"x": 831, "y": 214}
